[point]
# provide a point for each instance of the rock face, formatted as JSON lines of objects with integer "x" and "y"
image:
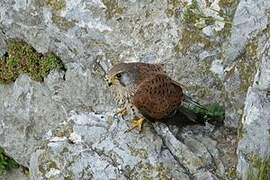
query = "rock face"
{"x": 254, "y": 158}
{"x": 65, "y": 127}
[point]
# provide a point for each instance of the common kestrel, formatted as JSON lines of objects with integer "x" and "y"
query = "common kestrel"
{"x": 147, "y": 90}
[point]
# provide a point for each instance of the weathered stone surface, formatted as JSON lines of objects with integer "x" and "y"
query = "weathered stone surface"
{"x": 27, "y": 111}
{"x": 17, "y": 174}
{"x": 240, "y": 53}
{"x": 66, "y": 125}
{"x": 96, "y": 146}
{"x": 250, "y": 18}
{"x": 254, "y": 145}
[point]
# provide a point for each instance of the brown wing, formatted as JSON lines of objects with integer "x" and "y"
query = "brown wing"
{"x": 158, "y": 96}
{"x": 145, "y": 70}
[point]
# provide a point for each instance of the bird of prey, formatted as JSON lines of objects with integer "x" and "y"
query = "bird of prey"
{"x": 147, "y": 90}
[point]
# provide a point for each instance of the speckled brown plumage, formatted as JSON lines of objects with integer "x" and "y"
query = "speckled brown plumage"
{"x": 158, "y": 96}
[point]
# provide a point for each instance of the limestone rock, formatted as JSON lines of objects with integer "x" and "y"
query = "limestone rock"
{"x": 65, "y": 126}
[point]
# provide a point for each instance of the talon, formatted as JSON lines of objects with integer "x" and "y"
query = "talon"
{"x": 137, "y": 123}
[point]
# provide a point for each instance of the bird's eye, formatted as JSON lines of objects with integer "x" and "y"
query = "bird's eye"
{"x": 118, "y": 75}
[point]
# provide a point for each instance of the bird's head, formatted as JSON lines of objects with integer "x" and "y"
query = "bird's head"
{"x": 121, "y": 74}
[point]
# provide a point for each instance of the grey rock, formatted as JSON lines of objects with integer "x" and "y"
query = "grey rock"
{"x": 26, "y": 112}
{"x": 97, "y": 147}
{"x": 65, "y": 126}
{"x": 254, "y": 146}
{"x": 249, "y": 19}
{"x": 13, "y": 174}
{"x": 180, "y": 150}
{"x": 201, "y": 175}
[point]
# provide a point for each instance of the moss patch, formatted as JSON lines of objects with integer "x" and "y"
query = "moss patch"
{"x": 6, "y": 163}
{"x": 62, "y": 23}
{"x": 56, "y": 5}
{"x": 142, "y": 153}
{"x": 247, "y": 60}
{"x": 261, "y": 168}
{"x": 172, "y": 6}
{"x": 22, "y": 58}
{"x": 227, "y": 3}
{"x": 113, "y": 8}
{"x": 231, "y": 174}
{"x": 145, "y": 170}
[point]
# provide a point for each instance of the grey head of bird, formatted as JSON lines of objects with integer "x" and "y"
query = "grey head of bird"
{"x": 123, "y": 74}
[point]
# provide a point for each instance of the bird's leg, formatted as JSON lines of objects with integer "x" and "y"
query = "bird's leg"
{"x": 136, "y": 123}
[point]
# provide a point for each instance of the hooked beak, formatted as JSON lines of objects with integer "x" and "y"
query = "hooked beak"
{"x": 109, "y": 81}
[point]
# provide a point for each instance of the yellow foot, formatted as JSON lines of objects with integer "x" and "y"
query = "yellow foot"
{"x": 122, "y": 112}
{"x": 137, "y": 123}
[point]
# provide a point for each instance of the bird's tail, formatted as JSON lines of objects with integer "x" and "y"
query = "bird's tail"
{"x": 188, "y": 100}
{"x": 191, "y": 108}
{"x": 191, "y": 116}
{"x": 212, "y": 113}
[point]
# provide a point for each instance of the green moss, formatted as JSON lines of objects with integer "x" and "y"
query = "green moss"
{"x": 69, "y": 177}
{"x": 146, "y": 169}
{"x": 247, "y": 60}
{"x": 52, "y": 165}
{"x": 226, "y": 31}
{"x": 227, "y": 3}
{"x": 63, "y": 131}
{"x": 6, "y": 163}
{"x": 142, "y": 153}
{"x": 62, "y": 23}
{"x": 113, "y": 8}
{"x": 22, "y": 58}
{"x": 231, "y": 174}
{"x": 46, "y": 166}
{"x": 260, "y": 169}
{"x": 57, "y": 5}
{"x": 172, "y": 6}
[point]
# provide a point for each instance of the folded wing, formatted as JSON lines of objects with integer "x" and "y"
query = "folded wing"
{"x": 158, "y": 96}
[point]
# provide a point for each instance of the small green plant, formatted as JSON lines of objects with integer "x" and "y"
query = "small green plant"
{"x": 212, "y": 113}
{"x": 22, "y": 58}
{"x": 6, "y": 163}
